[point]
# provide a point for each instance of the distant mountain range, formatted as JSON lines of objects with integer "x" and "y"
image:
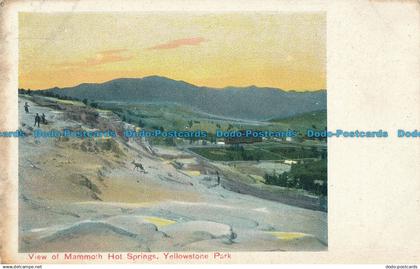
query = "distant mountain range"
{"x": 249, "y": 103}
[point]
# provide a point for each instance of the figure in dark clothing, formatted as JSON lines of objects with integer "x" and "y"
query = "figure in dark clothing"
{"x": 44, "y": 121}
{"x": 26, "y": 106}
{"x": 37, "y": 119}
{"x": 218, "y": 178}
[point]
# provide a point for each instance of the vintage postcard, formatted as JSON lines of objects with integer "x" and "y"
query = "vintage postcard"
{"x": 172, "y": 132}
{"x": 169, "y": 135}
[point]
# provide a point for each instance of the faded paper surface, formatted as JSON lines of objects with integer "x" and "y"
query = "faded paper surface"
{"x": 373, "y": 83}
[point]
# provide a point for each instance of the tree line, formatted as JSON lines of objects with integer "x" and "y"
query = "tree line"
{"x": 310, "y": 176}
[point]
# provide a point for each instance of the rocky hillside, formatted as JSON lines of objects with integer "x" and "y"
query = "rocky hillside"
{"x": 85, "y": 195}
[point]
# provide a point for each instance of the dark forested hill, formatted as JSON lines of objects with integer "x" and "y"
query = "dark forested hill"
{"x": 252, "y": 103}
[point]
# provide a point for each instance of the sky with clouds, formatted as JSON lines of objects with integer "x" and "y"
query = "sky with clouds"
{"x": 282, "y": 50}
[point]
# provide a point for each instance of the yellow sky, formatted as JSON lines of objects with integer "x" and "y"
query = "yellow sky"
{"x": 283, "y": 50}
